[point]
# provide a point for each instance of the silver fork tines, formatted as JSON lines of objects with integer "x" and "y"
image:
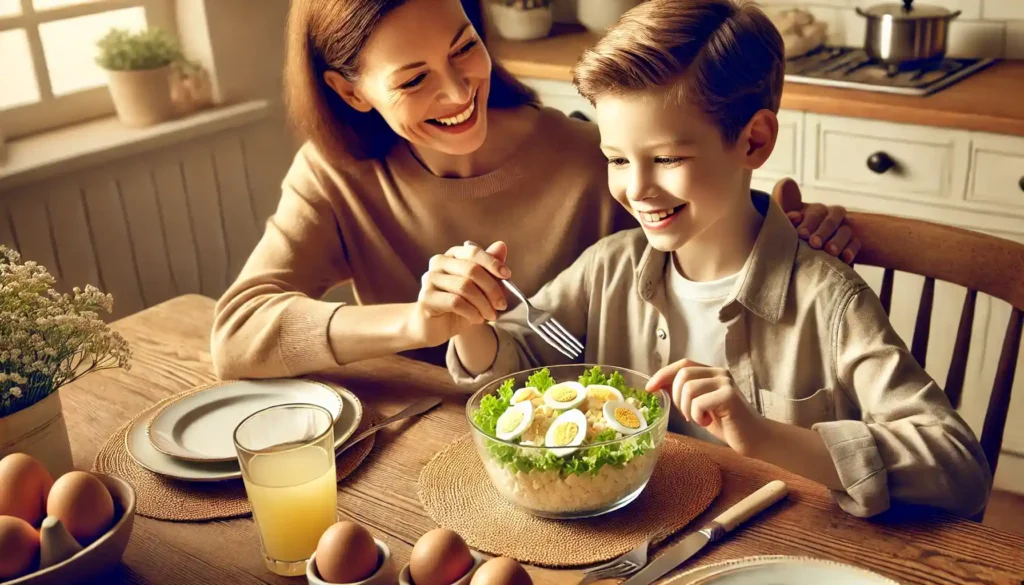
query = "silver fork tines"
{"x": 546, "y": 326}
{"x": 624, "y": 566}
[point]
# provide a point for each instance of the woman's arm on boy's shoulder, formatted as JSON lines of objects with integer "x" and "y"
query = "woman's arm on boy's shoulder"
{"x": 910, "y": 445}
{"x": 508, "y": 345}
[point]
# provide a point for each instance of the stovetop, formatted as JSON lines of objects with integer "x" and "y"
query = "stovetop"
{"x": 851, "y": 68}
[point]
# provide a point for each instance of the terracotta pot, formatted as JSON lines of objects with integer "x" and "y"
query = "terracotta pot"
{"x": 39, "y": 431}
{"x": 517, "y": 24}
{"x": 142, "y": 98}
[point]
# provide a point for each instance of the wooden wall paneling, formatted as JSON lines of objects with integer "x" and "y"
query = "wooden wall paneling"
{"x": 32, "y": 228}
{"x": 146, "y": 230}
{"x": 267, "y": 158}
{"x": 109, "y": 231}
{"x": 182, "y": 248}
{"x": 68, "y": 219}
{"x": 207, "y": 221}
{"x": 6, "y": 227}
{"x": 239, "y": 218}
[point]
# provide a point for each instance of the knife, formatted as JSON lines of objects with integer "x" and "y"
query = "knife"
{"x": 678, "y": 553}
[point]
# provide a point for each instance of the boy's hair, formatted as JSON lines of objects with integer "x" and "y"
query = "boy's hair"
{"x": 725, "y": 58}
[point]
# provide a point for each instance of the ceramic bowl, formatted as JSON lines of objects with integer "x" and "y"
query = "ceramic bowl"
{"x": 100, "y": 556}
{"x": 385, "y": 574}
{"x": 405, "y": 578}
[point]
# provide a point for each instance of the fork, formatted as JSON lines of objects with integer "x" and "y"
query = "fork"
{"x": 624, "y": 566}
{"x": 546, "y": 326}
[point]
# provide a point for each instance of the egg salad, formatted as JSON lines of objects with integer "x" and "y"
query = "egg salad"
{"x": 564, "y": 448}
{"x": 565, "y": 418}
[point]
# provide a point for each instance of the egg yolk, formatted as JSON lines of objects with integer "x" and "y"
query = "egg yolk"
{"x": 511, "y": 422}
{"x": 601, "y": 393}
{"x": 565, "y": 433}
{"x": 564, "y": 394}
{"x": 627, "y": 418}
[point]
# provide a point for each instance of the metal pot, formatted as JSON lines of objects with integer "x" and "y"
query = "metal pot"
{"x": 899, "y": 33}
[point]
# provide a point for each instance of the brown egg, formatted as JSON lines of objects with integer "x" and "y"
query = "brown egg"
{"x": 346, "y": 553}
{"x": 20, "y": 545}
{"x": 24, "y": 486}
{"x": 501, "y": 571}
{"x": 83, "y": 504}
{"x": 440, "y": 557}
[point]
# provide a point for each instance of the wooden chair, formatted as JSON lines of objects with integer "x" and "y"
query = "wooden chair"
{"x": 977, "y": 262}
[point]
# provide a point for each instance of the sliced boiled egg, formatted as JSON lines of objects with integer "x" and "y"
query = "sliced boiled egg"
{"x": 624, "y": 417}
{"x": 525, "y": 394}
{"x": 513, "y": 422}
{"x": 603, "y": 392}
{"x": 566, "y": 433}
{"x": 565, "y": 395}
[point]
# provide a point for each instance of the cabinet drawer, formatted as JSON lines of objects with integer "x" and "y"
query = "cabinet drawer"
{"x": 997, "y": 170}
{"x": 787, "y": 158}
{"x": 886, "y": 159}
{"x": 560, "y": 95}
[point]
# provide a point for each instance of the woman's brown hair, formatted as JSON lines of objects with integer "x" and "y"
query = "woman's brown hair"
{"x": 724, "y": 57}
{"x": 329, "y": 34}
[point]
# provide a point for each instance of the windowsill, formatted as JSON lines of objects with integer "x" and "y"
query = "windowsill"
{"x": 53, "y": 153}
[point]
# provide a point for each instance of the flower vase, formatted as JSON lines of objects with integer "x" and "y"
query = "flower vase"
{"x": 39, "y": 431}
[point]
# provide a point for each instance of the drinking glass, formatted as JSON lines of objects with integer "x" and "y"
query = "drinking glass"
{"x": 286, "y": 453}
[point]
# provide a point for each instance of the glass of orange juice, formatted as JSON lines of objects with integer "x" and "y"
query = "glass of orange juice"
{"x": 287, "y": 457}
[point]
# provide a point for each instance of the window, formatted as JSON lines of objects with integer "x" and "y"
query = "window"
{"x": 48, "y": 74}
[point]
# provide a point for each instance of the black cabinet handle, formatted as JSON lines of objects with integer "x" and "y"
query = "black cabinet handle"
{"x": 579, "y": 116}
{"x": 880, "y": 162}
{"x": 1020, "y": 183}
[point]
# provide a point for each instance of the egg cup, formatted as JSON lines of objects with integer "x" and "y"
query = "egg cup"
{"x": 384, "y": 575}
{"x": 405, "y": 577}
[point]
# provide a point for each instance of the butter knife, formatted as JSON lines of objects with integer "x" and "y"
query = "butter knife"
{"x": 725, "y": 523}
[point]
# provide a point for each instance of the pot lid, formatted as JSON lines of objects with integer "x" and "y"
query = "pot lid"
{"x": 907, "y": 10}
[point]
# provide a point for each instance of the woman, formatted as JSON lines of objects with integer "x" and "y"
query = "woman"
{"x": 416, "y": 142}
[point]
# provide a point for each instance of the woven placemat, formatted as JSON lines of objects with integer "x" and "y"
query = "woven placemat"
{"x": 458, "y": 495}
{"x": 164, "y": 498}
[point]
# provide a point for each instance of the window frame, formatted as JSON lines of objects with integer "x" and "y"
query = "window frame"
{"x": 52, "y": 112}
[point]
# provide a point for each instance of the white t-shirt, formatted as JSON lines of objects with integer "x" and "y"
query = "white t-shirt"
{"x": 693, "y": 325}
{"x": 694, "y": 329}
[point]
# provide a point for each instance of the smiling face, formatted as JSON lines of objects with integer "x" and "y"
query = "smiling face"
{"x": 669, "y": 165}
{"x": 425, "y": 70}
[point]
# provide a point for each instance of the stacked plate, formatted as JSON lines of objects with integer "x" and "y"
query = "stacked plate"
{"x": 191, "y": 439}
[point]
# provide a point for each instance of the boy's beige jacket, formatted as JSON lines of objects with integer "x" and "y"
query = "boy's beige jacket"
{"x": 807, "y": 343}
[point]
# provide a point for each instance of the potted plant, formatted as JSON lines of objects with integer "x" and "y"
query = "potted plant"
{"x": 522, "y": 20}
{"x": 47, "y": 340}
{"x": 599, "y": 16}
{"x": 138, "y": 66}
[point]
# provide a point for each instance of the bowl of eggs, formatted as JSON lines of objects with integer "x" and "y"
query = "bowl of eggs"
{"x": 60, "y": 532}
{"x": 569, "y": 441}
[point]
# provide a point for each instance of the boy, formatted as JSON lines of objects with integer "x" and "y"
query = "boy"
{"x": 779, "y": 351}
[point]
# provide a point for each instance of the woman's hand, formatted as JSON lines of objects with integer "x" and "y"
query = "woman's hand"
{"x": 822, "y": 226}
{"x": 709, "y": 397}
{"x": 461, "y": 288}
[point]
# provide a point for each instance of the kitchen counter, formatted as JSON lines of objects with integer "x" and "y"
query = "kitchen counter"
{"x": 987, "y": 101}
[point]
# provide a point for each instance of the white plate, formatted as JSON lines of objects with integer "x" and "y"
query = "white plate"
{"x": 200, "y": 427}
{"x": 779, "y": 569}
{"x": 147, "y": 457}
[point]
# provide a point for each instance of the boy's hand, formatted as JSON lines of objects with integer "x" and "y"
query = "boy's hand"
{"x": 708, "y": 397}
{"x": 822, "y": 226}
{"x": 460, "y": 289}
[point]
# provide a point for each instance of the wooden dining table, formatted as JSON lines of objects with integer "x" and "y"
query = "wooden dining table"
{"x": 170, "y": 343}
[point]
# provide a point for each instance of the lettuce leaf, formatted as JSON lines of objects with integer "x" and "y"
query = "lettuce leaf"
{"x": 492, "y": 407}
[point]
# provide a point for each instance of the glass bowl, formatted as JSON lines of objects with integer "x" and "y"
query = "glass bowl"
{"x": 599, "y": 476}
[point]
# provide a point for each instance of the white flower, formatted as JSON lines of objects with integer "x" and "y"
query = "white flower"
{"x": 15, "y": 392}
